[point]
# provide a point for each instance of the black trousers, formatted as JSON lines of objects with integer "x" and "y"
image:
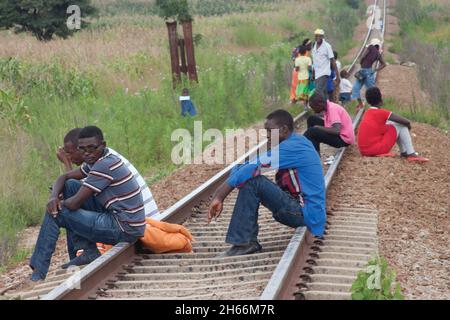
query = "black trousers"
{"x": 318, "y": 136}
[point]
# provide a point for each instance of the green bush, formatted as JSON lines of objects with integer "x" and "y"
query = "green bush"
{"x": 376, "y": 282}
{"x": 42, "y": 19}
{"x": 354, "y": 3}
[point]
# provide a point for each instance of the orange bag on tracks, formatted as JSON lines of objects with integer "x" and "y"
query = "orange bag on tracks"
{"x": 163, "y": 237}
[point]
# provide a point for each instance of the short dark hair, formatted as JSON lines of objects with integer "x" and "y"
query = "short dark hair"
{"x": 302, "y": 50}
{"x": 373, "y": 96}
{"x": 282, "y": 117}
{"x": 305, "y": 42}
{"x": 317, "y": 99}
{"x": 91, "y": 132}
{"x": 343, "y": 73}
{"x": 72, "y": 136}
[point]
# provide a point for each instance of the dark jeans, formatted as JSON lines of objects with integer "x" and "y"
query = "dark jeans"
{"x": 85, "y": 227}
{"x": 243, "y": 227}
{"x": 317, "y": 135}
{"x": 321, "y": 86}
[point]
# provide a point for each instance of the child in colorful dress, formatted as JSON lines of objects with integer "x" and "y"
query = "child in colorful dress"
{"x": 303, "y": 65}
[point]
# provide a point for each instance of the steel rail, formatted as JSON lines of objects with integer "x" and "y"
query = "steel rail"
{"x": 280, "y": 284}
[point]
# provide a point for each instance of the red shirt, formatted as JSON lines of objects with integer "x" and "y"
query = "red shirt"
{"x": 374, "y": 135}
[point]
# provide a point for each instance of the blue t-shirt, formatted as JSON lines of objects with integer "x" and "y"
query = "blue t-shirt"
{"x": 296, "y": 152}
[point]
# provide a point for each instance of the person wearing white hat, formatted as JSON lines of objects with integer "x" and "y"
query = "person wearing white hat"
{"x": 366, "y": 75}
{"x": 323, "y": 61}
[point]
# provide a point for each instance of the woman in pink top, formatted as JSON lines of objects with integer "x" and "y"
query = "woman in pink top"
{"x": 336, "y": 127}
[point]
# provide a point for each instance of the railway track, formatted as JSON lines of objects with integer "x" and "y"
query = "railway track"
{"x": 292, "y": 265}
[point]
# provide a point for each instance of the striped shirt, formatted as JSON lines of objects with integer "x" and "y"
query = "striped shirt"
{"x": 118, "y": 191}
{"x": 150, "y": 207}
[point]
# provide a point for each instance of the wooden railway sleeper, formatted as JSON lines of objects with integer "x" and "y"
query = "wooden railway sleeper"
{"x": 311, "y": 262}
{"x": 308, "y": 270}
{"x": 314, "y": 255}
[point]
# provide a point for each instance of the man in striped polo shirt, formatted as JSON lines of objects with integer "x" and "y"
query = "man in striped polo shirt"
{"x": 70, "y": 154}
{"x": 101, "y": 202}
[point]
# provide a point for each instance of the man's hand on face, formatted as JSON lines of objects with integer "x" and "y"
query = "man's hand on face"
{"x": 54, "y": 206}
{"x": 215, "y": 209}
{"x": 62, "y": 156}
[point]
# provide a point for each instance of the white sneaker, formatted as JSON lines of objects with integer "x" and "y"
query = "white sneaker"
{"x": 329, "y": 161}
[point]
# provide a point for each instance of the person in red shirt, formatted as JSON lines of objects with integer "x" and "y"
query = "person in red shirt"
{"x": 380, "y": 129}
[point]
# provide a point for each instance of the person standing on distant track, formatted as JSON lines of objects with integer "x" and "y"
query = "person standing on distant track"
{"x": 323, "y": 62}
{"x": 303, "y": 65}
{"x": 366, "y": 75}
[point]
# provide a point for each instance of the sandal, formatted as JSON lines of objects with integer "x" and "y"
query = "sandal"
{"x": 416, "y": 158}
{"x": 386, "y": 155}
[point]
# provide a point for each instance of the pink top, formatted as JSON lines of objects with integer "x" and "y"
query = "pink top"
{"x": 337, "y": 114}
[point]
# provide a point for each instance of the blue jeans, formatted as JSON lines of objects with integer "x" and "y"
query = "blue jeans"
{"x": 243, "y": 227}
{"x": 85, "y": 227}
{"x": 369, "y": 82}
{"x": 345, "y": 97}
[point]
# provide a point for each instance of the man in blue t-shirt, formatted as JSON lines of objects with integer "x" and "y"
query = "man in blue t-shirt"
{"x": 296, "y": 199}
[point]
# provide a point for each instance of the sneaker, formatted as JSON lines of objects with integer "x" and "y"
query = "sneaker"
{"x": 235, "y": 250}
{"x": 329, "y": 161}
{"x": 360, "y": 106}
{"x": 416, "y": 158}
{"x": 82, "y": 260}
{"x": 37, "y": 277}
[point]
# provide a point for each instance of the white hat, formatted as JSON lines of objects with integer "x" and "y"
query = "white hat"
{"x": 319, "y": 32}
{"x": 375, "y": 42}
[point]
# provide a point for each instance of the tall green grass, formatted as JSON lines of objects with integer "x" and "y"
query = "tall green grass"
{"x": 196, "y": 7}
{"x": 425, "y": 39}
{"x": 249, "y": 35}
{"x": 418, "y": 113}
